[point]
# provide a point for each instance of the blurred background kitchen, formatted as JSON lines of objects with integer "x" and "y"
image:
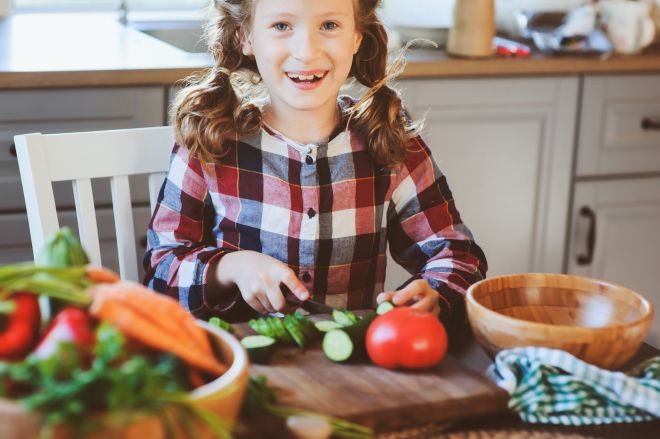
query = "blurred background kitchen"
{"x": 544, "y": 115}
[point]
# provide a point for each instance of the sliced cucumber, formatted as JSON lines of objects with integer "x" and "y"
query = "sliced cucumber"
{"x": 344, "y": 317}
{"x": 259, "y": 347}
{"x": 338, "y": 345}
{"x": 294, "y": 327}
{"x": 335, "y": 345}
{"x": 383, "y": 307}
{"x": 217, "y": 321}
{"x": 327, "y": 325}
{"x": 279, "y": 331}
{"x": 308, "y": 328}
{"x": 261, "y": 326}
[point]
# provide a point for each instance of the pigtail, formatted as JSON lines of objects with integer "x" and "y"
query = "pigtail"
{"x": 208, "y": 109}
{"x": 379, "y": 113}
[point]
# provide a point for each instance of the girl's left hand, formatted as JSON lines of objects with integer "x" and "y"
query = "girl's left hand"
{"x": 417, "y": 294}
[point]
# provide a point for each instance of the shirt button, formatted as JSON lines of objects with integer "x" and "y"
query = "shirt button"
{"x": 309, "y": 160}
{"x": 311, "y": 212}
{"x": 306, "y": 277}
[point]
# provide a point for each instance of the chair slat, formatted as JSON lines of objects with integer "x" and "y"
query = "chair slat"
{"x": 85, "y": 212}
{"x": 37, "y": 189}
{"x": 155, "y": 183}
{"x": 123, "y": 214}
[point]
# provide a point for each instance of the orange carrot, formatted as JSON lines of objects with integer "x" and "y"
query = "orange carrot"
{"x": 156, "y": 320}
{"x": 101, "y": 275}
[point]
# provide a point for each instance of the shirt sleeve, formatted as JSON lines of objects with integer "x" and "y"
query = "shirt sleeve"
{"x": 427, "y": 236}
{"x": 181, "y": 244}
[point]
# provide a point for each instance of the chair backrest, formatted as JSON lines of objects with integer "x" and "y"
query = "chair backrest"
{"x": 79, "y": 158}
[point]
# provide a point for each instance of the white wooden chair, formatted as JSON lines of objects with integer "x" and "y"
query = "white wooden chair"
{"x": 79, "y": 158}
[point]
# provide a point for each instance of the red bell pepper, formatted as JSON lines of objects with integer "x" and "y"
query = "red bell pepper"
{"x": 19, "y": 326}
{"x": 70, "y": 325}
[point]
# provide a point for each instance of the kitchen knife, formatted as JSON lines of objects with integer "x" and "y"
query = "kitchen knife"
{"x": 309, "y": 305}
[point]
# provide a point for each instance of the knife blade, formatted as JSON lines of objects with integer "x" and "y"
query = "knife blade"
{"x": 309, "y": 305}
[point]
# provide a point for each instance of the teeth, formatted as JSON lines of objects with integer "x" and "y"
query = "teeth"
{"x": 304, "y": 77}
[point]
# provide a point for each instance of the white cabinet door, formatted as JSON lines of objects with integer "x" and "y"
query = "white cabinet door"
{"x": 626, "y": 231}
{"x": 506, "y": 147}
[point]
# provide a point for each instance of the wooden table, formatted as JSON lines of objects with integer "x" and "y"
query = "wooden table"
{"x": 468, "y": 353}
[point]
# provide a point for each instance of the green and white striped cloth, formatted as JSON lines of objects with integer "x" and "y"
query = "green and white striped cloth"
{"x": 550, "y": 386}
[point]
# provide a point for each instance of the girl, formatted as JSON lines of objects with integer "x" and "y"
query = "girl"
{"x": 276, "y": 181}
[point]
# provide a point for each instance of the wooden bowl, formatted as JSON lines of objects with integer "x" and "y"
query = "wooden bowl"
{"x": 223, "y": 396}
{"x": 599, "y": 322}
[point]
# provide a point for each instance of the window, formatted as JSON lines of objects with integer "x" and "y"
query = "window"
{"x": 104, "y": 5}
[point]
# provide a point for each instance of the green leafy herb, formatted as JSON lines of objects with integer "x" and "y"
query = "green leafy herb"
{"x": 70, "y": 388}
{"x": 260, "y": 398}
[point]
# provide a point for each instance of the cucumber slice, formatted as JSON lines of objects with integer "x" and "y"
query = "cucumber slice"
{"x": 279, "y": 331}
{"x": 295, "y": 330}
{"x": 261, "y": 326}
{"x": 338, "y": 345}
{"x": 335, "y": 345}
{"x": 307, "y": 327}
{"x": 217, "y": 321}
{"x": 383, "y": 307}
{"x": 327, "y": 325}
{"x": 344, "y": 317}
{"x": 259, "y": 347}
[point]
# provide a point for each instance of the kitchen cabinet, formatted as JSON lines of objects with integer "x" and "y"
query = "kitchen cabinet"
{"x": 623, "y": 218}
{"x": 615, "y": 216}
{"x": 506, "y": 147}
{"x": 66, "y": 110}
{"x": 619, "y": 126}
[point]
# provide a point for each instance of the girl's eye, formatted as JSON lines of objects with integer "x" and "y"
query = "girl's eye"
{"x": 281, "y": 26}
{"x": 330, "y": 25}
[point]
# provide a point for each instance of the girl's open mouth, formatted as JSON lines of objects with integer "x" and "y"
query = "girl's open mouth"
{"x": 307, "y": 80}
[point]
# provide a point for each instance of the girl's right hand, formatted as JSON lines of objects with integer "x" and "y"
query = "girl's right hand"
{"x": 258, "y": 278}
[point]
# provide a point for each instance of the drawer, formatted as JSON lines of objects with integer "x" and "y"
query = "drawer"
{"x": 70, "y": 110}
{"x": 619, "y": 125}
{"x": 15, "y": 237}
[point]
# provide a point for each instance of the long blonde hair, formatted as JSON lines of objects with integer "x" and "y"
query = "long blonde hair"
{"x": 223, "y": 102}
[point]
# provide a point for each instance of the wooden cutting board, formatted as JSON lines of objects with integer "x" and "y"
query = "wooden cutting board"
{"x": 382, "y": 399}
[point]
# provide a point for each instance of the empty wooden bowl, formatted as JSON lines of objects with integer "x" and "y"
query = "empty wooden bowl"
{"x": 599, "y": 322}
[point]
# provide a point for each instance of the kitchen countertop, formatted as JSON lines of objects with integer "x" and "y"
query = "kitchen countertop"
{"x": 89, "y": 50}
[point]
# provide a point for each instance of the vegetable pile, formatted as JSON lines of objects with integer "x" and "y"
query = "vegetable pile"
{"x": 392, "y": 337}
{"x": 110, "y": 348}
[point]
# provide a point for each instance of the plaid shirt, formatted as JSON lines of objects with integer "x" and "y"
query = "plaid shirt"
{"x": 326, "y": 210}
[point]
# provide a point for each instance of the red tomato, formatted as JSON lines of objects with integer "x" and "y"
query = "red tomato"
{"x": 406, "y": 338}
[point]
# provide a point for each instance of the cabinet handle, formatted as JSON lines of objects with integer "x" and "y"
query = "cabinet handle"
{"x": 586, "y": 211}
{"x": 12, "y": 150}
{"x": 649, "y": 124}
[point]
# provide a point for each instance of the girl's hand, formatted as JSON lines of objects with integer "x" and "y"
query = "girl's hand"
{"x": 417, "y": 294}
{"x": 258, "y": 278}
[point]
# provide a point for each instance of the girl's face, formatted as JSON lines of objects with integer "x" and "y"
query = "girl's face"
{"x": 303, "y": 49}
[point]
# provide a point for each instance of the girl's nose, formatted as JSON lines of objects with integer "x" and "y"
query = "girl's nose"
{"x": 306, "y": 45}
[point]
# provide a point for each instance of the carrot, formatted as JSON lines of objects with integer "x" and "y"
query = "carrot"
{"x": 160, "y": 310}
{"x": 156, "y": 320}
{"x": 101, "y": 275}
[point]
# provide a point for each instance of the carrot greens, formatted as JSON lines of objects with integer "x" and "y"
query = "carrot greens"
{"x": 71, "y": 389}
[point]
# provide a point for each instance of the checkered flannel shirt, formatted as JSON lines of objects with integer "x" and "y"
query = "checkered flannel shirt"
{"x": 327, "y": 210}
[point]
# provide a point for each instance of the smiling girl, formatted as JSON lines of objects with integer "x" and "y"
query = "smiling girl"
{"x": 277, "y": 181}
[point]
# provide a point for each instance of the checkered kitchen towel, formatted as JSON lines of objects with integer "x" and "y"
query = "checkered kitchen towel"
{"x": 550, "y": 386}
